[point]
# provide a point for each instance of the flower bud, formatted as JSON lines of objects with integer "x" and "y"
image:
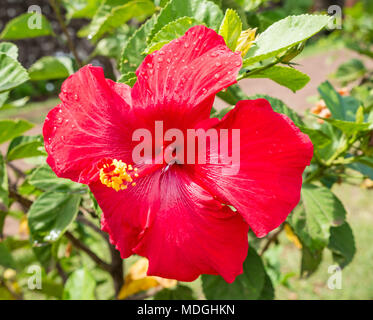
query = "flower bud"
{"x": 245, "y": 41}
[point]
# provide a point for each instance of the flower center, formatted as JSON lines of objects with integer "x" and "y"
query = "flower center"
{"x": 117, "y": 174}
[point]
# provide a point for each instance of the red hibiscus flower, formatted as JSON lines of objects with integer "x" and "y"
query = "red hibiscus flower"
{"x": 179, "y": 216}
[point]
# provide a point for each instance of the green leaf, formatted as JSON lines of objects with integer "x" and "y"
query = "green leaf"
{"x": 341, "y": 108}
{"x": 342, "y": 244}
{"x": 129, "y": 78}
{"x": 43, "y": 254}
{"x": 319, "y": 139}
{"x": 78, "y": 9}
{"x": 311, "y": 260}
{"x": 135, "y": 46}
{"x": 322, "y": 210}
{"x": 49, "y": 68}
{"x": 10, "y": 129}
{"x": 247, "y": 286}
{"x": 80, "y": 285}
{"x": 4, "y": 194}
{"x": 12, "y": 74}
{"x": 231, "y": 28}
{"x": 51, "y": 214}
{"x": 268, "y": 292}
{"x": 284, "y": 34}
{"x": 232, "y": 95}
{"x": 232, "y": 4}
{"x": 368, "y": 161}
{"x": 25, "y": 147}
{"x": 52, "y": 287}
{"x": 45, "y": 179}
{"x": 100, "y": 16}
{"x": 350, "y": 71}
{"x": 180, "y": 292}
{"x": 3, "y": 98}
{"x": 285, "y": 76}
{"x": 10, "y": 49}
{"x": 6, "y": 259}
{"x": 109, "y": 18}
{"x": 112, "y": 45}
{"x": 27, "y": 25}
{"x": 202, "y": 10}
{"x": 364, "y": 166}
{"x": 171, "y": 31}
{"x": 349, "y": 128}
{"x": 280, "y": 107}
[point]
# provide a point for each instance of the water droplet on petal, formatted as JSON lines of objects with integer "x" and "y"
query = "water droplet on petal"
{"x": 218, "y": 64}
{"x": 186, "y": 45}
{"x": 217, "y": 76}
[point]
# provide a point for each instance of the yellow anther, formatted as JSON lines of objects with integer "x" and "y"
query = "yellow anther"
{"x": 114, "y": 174}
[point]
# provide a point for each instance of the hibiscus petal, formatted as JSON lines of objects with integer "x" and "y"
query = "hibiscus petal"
{"x": 127, "y": 213}
{"x": 192, "y": 233}
{"x": 90, "y": 123}
{"x": 273, "y": 156}
{"x": 177, "y": 80}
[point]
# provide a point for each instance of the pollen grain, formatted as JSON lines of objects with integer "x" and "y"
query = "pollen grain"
{"x": 116, "y": 174}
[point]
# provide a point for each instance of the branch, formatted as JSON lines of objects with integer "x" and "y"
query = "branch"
{"x": 272, "y": 238}
{"x": 16, "y": 170}
{"x": 115, "y": 268}
{"x": 91, "y": 225}
{"x": 62, "y": 23}
{"x": 24, "y": 202}
{"x": 61, "y": 272}
{"x": 80, "y": 245}
{"x": 117, "y": 265}
{"x": 88, "y": 212}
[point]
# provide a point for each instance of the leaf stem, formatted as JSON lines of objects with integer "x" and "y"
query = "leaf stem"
{"x": 257, "y": 70}
{"x": 272, "y": 238}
